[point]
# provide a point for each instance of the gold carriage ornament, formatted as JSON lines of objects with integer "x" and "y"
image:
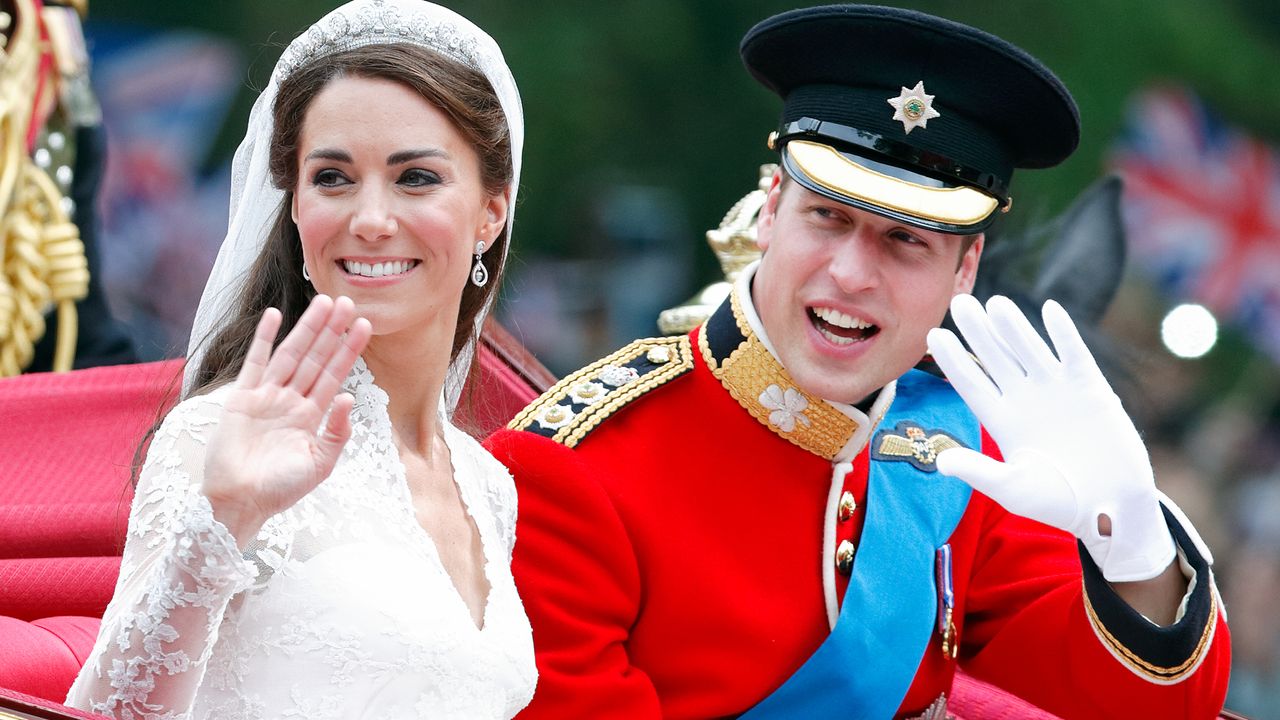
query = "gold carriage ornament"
{"x": 734, "y": 244}
{"x": 43, "y": 87}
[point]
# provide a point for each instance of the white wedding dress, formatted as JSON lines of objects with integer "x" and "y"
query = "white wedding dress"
{"x": 340, "y": 608}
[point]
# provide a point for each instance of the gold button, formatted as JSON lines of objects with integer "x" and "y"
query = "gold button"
{"x": 844, "y": 557}
{"x": 772, "y": 141}
{"x": 847, "y": 506}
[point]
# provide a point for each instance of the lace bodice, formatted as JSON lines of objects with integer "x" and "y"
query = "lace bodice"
{"x": 339, "y": 608}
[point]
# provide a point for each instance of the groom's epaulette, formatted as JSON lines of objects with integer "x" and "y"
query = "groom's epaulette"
{"x": 581, "y": 401}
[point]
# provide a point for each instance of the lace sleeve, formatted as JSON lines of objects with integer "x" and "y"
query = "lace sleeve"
{"x": 179, "y": 572}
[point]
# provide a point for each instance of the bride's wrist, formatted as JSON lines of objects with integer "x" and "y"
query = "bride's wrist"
{"x": 240, "y": 520}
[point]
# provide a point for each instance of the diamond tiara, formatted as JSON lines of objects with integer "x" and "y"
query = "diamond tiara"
{"x": 374, "y": 23}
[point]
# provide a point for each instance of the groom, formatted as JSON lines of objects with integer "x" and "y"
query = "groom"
{"x": 789, "y": 512}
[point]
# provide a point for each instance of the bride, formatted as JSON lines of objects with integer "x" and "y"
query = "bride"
{"x": 310, "y": 535}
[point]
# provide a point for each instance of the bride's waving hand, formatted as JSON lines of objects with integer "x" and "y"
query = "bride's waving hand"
{"x": 269, "y": 449}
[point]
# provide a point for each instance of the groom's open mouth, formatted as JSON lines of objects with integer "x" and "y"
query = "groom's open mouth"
{"x": 840, "y": 328}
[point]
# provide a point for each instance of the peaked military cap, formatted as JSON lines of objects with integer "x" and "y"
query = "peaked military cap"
{"x": 908, "y": 115}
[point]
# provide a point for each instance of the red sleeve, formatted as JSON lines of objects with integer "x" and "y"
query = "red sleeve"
{"x": 1042, "y": 623}
{"x": 577, "y": 576}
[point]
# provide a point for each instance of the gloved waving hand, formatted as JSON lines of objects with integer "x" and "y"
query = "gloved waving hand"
{"x": 1071, "y": 453}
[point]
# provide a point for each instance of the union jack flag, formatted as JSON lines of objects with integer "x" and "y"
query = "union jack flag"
{"x": 1202, "y": 210}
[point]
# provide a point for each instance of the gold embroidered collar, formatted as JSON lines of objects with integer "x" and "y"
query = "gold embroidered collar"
{"x": 741, "y": 360}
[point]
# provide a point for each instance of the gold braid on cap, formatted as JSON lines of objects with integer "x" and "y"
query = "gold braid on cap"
{"x": 42, "y": 261}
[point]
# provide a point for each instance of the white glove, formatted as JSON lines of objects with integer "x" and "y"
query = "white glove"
{"x": 1071, "y": 452}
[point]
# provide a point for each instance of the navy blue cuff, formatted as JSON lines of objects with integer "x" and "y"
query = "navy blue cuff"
{"x": 1161, "y": 654}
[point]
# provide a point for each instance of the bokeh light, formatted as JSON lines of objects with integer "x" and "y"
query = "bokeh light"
{"x": 1189, "y": 330}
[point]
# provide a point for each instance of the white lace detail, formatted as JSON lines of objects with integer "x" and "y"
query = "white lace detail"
{"x": 340, "y": 607}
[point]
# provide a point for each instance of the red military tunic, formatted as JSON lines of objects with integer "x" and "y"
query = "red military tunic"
{"x": 676, "y": 554}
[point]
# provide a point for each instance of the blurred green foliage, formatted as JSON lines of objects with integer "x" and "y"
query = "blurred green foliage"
{"x": 651, "y": 92}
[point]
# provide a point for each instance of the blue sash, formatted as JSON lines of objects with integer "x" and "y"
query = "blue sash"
{"x": 865, "y": 667}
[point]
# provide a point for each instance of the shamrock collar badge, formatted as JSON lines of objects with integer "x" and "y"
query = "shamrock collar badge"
{"x": 913, "y": 108}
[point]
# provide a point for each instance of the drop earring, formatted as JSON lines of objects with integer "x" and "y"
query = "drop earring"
{"x": 479, "y": 273}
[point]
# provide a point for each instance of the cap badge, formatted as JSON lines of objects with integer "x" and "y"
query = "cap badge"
{"x": 913, "y": 107}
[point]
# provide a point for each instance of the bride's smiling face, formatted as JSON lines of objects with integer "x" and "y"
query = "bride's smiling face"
{"x": 389, "y": 204}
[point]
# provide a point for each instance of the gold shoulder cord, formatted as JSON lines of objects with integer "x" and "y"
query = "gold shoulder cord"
{"x": 603, "y": 388}
{"x": 42, "y": 261}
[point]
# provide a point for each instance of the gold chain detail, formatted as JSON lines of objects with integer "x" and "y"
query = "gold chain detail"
{"x": 43, "y": 264}
{"x": 42, "y": 261}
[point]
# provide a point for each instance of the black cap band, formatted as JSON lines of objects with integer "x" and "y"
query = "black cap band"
{"x": 910, "y": 157}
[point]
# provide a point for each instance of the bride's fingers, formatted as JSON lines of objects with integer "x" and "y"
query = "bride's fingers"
{"x": 334, "y": 435}
{"x": 327, "y": 342}
{"x": 335, "y": 371}
{"x": 255, "y": 360}
{"x": 284, "y": 361}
